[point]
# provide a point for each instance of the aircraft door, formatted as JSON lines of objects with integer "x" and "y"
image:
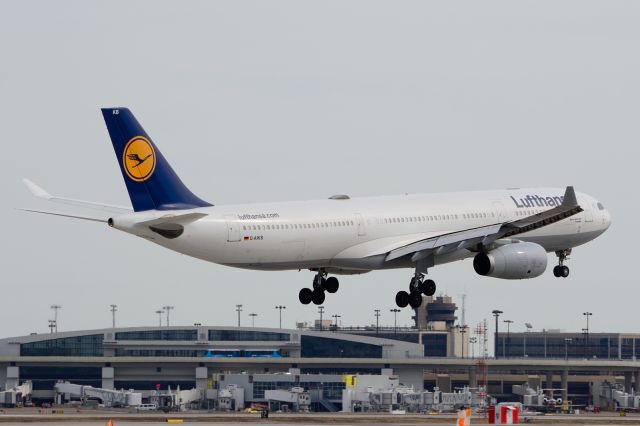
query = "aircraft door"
{"x": 588, "y": 212}
{"x": 360, "y": 222}
{"x": 499, "y": 208}
{"x": 233, "y": 228}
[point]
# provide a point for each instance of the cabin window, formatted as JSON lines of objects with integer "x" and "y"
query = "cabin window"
{"x": 600, "y": 206}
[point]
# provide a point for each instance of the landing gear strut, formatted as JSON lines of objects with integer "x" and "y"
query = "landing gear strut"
{"x": 417, "y": 287}
{"x": 320, "y": 284}
{"x": 562, "y": 270}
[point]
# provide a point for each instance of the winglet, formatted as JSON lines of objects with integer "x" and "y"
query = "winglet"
{"x": 570, "y": 199}
{"x": 36, "y": 190}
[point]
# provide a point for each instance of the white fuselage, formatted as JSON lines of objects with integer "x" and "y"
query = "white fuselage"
{"x": 353, "y": 235}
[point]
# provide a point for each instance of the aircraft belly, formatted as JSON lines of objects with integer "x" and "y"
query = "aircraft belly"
{"x": 561, "y": 242}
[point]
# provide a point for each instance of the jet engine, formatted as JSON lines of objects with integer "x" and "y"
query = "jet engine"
{"x": 514, "y": 261}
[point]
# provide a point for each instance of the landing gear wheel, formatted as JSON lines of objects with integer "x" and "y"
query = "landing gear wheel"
{"x": 415, "y": 299}
{"x": 317, "y": 297}
{"x": 561, "y": 270}
{"x": 331, "y": 284}
{"x": 428, "y": 287}
{"x": 305, "y": 296}
{"x": 402, "y": 299}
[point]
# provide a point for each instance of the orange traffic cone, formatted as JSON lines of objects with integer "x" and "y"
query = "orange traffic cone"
{"x": 109, "y": 422}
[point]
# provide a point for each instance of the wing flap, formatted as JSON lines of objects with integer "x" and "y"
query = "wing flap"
{"x": 443, "y": 240}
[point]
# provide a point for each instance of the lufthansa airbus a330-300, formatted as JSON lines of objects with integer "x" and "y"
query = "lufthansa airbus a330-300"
{"x": 507, "y": 232}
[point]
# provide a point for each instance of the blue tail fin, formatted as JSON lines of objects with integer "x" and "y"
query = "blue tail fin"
{"x": 150, "y": 180}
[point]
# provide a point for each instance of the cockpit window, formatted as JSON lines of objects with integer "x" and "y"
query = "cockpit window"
{"x": 600, "y": 206}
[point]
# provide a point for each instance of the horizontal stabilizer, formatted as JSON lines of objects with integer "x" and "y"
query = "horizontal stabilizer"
{"x": 73, "y": 216}
{"x": 41, "y": 193}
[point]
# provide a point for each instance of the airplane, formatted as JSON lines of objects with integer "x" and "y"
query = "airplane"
{"x": 508, "y": 233}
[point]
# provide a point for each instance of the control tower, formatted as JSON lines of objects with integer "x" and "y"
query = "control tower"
{"x": 435, "y": 313}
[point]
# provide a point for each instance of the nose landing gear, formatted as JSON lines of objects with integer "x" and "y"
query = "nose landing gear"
{"x": 320, "y": 284}
{"x": 562, "y": 270}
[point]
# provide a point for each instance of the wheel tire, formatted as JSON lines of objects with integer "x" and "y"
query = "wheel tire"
{"x": 429, "y": 287}
{"x": 415, "y": 299}
{"x": 556, "y": 271}
{"x": 402, "y": 299}
{"x": 564, "y": 271}
{"x": 317, "y": 297}
{"x": 414, "y": 284}
{"x": 331, "y": 284}
{"x": 305, "y": 296}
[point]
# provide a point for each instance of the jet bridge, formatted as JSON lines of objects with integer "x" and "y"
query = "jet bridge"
{"x": 110, "y": 398}
{"x": 16, "y": 396}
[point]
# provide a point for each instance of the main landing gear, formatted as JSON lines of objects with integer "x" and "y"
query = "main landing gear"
{"x": 320, "y": 284}
{"x": 417, "y": 287}
{"x": 562, "y": 270}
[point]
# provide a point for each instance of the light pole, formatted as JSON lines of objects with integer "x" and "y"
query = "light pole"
{"x": 238, "y": 310}
{"x": 321, "y": 311}
{"x": 586, "y": 340}
{"x": 567, "y": 340}
{"x": 114, "y": 308}
{"x": 463, "y": 331}
{"x": 280, "y": 308}
{"x": 524, "y": 342}
{"x": 335, "y": 317}
{"x": 377, "y": 314}
{"x": 473, "y": 341}
{"x": 52, "y": 325}
{"x": 168, "y": 309}
{"x": 160, "y": 312}
{"x": 253, "y": 319}
{"x": 56, "y": 308}
{"x": 508, "y": 322}
{"x": 496, "y": 313}
{"x": 395, "y": 319}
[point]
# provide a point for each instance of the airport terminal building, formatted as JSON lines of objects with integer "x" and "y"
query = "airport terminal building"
{"x": 204, "y": 357}
{"x": 149, "y": 358}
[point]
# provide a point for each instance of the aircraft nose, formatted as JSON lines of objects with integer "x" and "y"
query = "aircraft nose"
{"x": 606, "y": 219}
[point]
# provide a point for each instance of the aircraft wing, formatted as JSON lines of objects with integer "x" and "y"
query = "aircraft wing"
{"x": 486, "y": 235}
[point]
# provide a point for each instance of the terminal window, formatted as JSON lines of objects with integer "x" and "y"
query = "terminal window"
{"x": 187, "y": 335}
{"x": 246, "y": 336}
{"x": 90, "y": 345}
{"x": 322, "y": 347}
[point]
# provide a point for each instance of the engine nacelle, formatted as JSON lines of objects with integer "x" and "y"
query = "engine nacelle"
{"x": 514, "y": 261}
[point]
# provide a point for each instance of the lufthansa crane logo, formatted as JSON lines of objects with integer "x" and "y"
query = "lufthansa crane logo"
{"x": 139, "y": 159}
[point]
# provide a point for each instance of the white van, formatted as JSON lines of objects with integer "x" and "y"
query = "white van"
{"x": 146, "y": 407}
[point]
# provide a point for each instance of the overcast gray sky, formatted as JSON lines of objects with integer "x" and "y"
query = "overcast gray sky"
{"x": 261, "y": 101}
